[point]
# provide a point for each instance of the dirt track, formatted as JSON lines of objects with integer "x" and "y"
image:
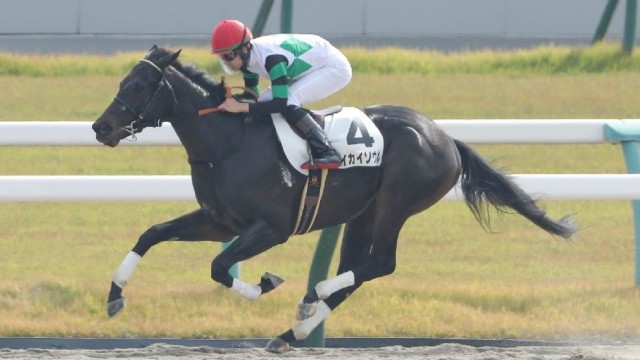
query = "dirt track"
{"x": 440, "y": 352}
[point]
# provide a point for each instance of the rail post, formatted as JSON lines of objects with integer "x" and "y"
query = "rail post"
{"x": 603, "y": 25}
{"x": 286, "y": 17}
{"x": 261, "y": 19}
{"x": 629, "y": 136}
{"x": 235, "y": 268}
{"x": 629, "y": 26}
{"x": 318, "y": 272}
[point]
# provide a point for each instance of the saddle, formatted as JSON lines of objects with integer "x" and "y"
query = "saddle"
{"x": 350, "y": 131}
{"x": 319, "y": 115}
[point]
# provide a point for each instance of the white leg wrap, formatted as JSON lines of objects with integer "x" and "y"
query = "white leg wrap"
{"x": 327, "y": 287}
{"x": 251, "y": 292}
{"x": 303, "y": 328}
{"x": 126, "y": 268}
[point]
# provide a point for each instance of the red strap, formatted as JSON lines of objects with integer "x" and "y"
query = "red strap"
{"x": 210, "y": 110}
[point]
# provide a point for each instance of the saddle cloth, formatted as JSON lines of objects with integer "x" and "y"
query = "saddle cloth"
{"x": 351, "y": 132}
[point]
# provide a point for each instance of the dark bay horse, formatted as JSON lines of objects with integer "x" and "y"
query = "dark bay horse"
{"x": 246, "y": 187}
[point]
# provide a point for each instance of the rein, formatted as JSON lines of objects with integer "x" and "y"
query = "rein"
{"x": 228, "y": 89}
{"x": 141, "y": 121}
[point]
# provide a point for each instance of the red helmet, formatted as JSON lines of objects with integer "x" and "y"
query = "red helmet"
{"x": 229, "y": 35}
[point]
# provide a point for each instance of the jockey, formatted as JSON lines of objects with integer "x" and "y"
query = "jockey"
{"x": 302, "y": 69}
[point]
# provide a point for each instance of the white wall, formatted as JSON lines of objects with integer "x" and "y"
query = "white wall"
{"x": 336, "y": 17}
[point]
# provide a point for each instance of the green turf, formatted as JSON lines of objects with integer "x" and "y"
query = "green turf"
{"x": 453, "y": 279}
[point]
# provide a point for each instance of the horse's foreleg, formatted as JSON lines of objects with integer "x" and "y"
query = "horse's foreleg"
{"x": 258, "y": 238}
{"x": 368, "y": 252}
{"x": 190, "y": 227}
{"x": 115, "y": 301}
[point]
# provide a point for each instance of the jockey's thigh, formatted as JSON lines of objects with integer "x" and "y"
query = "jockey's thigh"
{"x": 317, "y": 84}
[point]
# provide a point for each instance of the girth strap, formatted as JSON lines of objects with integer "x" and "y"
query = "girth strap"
{"x": 310, "y": 202}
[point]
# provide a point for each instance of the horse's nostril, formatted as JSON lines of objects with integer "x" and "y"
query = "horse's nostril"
{"x": 101, "y": 128}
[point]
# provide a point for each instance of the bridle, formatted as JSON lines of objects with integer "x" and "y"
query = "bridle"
{"x": 141, "y": 117}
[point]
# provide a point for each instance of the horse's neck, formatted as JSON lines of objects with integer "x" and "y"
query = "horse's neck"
{"x": 205, "y": 138}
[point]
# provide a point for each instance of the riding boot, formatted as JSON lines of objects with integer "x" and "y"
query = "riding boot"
{"x": 324, "y": 156}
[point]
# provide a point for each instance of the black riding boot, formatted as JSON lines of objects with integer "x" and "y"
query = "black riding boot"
{"x": 323, "y": 154}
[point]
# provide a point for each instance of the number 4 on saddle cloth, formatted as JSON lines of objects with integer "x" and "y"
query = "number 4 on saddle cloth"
{"x": 352, "y": 134}
{"x": 350, "y": 131}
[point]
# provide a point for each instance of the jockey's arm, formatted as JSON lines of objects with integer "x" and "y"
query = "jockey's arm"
{"x": 250, "y": 82}
{"x": 276, "y": 65}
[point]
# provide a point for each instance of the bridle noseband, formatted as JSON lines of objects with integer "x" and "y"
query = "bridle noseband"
{"x": 141, "y": 119}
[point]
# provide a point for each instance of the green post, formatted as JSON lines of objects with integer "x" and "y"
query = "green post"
{"x": 629, "y": 26}
{"x": 603, "y": 25}
{"x": 631, "y": 150}
{"x": 261, "y": 19}
{"x": 286, "y": 17}
{"x": 629, "y": 137}
{"x": 235, "y": 269}
{"x": 318, "y": 272}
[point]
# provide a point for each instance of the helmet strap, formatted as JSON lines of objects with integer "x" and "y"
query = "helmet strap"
{"x": 244, "y": 56}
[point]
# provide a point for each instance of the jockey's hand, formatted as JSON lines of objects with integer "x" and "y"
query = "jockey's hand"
{"x": 245, "y": 97}
{"x": 232, "y": 105}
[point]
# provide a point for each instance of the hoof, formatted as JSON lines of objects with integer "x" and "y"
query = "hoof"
{"x": 115, "y": 306}
{"x": 277, "y": 346}
{"x": 306, "y": 311}
{"x": 274, "y": 279}
{"x": 269, "y": 281}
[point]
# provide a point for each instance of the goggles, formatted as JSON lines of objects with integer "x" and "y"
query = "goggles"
{"x": 229, "y": 56}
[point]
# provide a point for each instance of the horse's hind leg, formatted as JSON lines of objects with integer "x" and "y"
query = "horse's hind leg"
{"x": 356, "y": 253}
{"x": 370, "y": 241}
{"x": 190, "y": 227}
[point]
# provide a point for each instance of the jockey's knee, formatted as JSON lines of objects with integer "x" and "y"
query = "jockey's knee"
{"x": 293, "y": 112}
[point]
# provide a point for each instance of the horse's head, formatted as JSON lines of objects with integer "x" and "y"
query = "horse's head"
{"x": 145, "y": 96}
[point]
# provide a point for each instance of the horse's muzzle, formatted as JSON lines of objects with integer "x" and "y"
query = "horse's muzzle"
{"x": 104, "y": 133}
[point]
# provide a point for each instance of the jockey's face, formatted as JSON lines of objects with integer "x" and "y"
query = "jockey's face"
{"x": 233, "y": 60}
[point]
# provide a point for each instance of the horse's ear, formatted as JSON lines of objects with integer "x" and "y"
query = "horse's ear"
{"x": 153, "y": 48}
{"x": 168, "y": 59}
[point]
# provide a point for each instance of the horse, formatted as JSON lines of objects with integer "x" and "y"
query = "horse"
{"x": 247, "y": 190}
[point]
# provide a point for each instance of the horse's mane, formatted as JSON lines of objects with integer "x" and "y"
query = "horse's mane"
{"x": 198, "y": 76}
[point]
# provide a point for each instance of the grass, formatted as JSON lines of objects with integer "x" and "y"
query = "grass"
{"x": 453, "y": 279}
{"x": 601, "y": 58}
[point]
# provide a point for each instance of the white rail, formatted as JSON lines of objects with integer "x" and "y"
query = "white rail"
{"x": 534, "y": 131}
{"x": 178, "y": 187}
{"x": 138, "y": 188}
{"x": 507, "y": 131}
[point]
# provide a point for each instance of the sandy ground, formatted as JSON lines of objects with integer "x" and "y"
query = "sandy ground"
{"x": 440, "y": 352}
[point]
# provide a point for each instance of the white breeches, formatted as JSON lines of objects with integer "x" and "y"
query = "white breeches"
{"x": 318, "y": 84}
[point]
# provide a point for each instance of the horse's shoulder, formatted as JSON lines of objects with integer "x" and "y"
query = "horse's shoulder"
{"x": 259, "y": 129}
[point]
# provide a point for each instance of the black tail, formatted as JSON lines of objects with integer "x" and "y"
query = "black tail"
{"x": 482, "y": 184}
